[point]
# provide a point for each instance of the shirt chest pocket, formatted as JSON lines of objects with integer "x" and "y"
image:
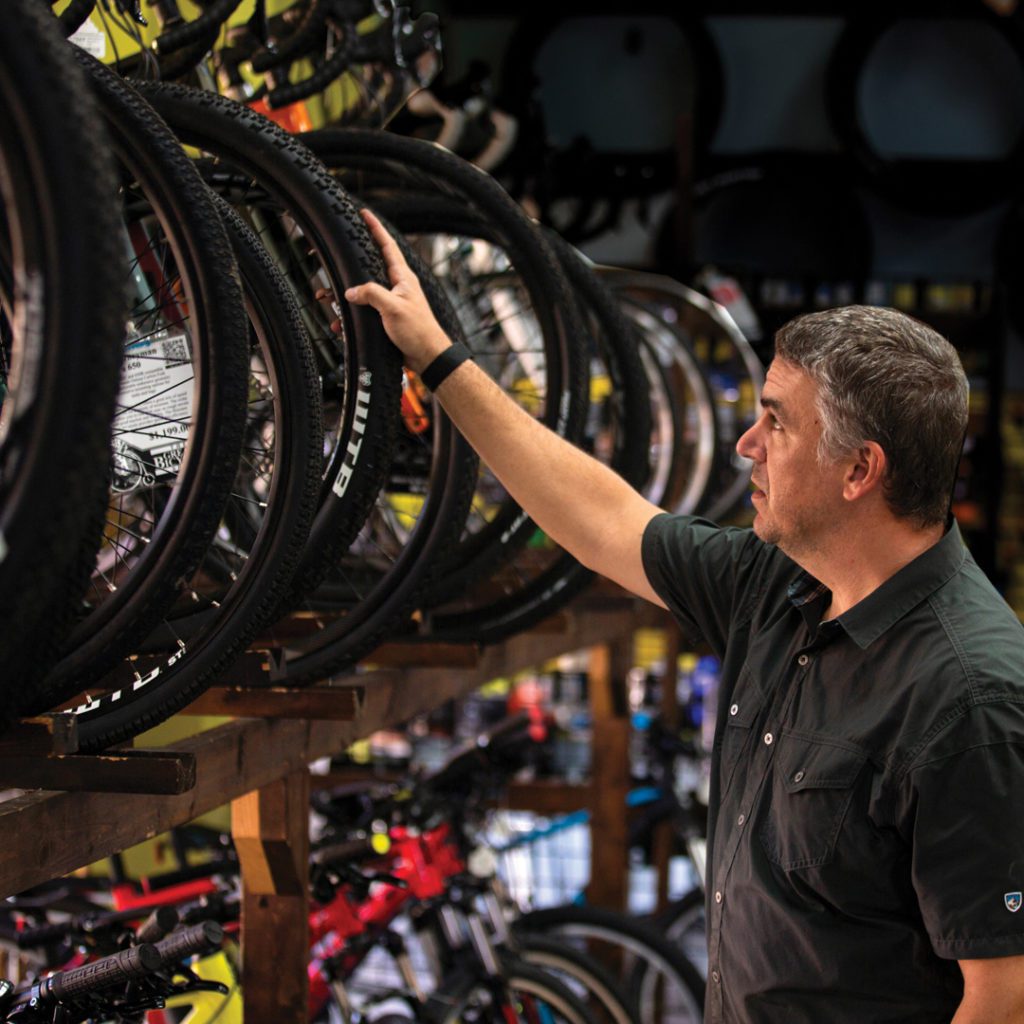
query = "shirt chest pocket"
{"x": 812, "y": 785}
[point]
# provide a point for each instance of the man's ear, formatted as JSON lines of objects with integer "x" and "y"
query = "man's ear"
{"x": 865, "y": 471}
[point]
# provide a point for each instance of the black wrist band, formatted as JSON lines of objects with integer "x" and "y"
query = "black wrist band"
{"x": 441, "y": 366}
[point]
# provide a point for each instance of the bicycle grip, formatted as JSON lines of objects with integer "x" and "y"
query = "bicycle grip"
{"x": 40, "y": 935}
{"x": 75, "y": 15}
{"x": 161, "y": 921}
{"x": 349, "y": 850}
{"x": 180, "y": 36}
{"x": 196, "y": 939}
{"x": 297, "y": 43}
{"x": 136, "y": 962}
{"x": 283, "y": 95}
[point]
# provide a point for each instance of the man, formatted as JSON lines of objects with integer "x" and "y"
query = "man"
{"x": 867, "y": 839}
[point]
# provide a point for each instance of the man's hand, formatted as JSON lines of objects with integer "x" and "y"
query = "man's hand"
{"x": 404, "y": 310}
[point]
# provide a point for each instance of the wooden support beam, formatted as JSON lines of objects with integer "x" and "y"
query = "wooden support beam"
{"x": 610, "y": 778}
{"x": 664, "y": 842}
{"x": 124, "y": 771}
{"x": 270, "y": 827}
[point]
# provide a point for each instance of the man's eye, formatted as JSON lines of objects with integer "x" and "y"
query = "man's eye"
{"x": 774, "y": 423}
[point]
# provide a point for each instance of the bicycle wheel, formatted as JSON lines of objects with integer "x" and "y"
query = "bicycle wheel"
{"x": 60, "y": 315}
{"x": 312, "y": 228}
{"x": 539, "y": 581}
{"x": 181, "y": 405}
{"x": 247, "y": 569}
{"x": 520, "y": 994}
{"x": 537, "y": 305}
{"x": 695, "y": 451}
{"x": 586, "y": 978}
{"x": 731, "y": 366}
{"x": 663, "y": 985}
{"x": 684, "y": 922}
{"x": 417, "y": 520}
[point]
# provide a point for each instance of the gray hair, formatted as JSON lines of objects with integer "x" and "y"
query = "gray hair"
{"x": 884, "y": 376}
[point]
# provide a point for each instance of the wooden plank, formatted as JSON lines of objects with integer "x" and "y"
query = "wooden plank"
{"x": 405, "y": 655}
{"x": 330, "y": 703}
{"x": 49, "y": 834}
{"x": 547, "y": 796}
{"x": 130, "y": 771}
{"x": 47, "y": 734}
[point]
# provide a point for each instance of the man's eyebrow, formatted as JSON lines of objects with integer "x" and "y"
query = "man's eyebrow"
{"x": 771, "y": 403}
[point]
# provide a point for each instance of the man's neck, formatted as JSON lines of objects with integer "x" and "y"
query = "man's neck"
{"x": 853, "y": 570}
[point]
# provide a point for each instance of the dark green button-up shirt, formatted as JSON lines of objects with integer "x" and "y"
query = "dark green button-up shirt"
{"x": 867, "y": 819}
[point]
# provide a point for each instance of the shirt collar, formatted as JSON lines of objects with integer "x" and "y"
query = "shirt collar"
{"x": 867, "y": 620}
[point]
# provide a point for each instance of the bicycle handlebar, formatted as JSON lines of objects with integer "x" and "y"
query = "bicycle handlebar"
{"x": 297, "y": 43}
{"x": 350, "y": 850}
{"x": 180, "y": 36}
{"x": 127, "y": 965}
{"x": 75, "y": 15}
{"x": 197, "y": 939}
{"x": 160, "y": 923}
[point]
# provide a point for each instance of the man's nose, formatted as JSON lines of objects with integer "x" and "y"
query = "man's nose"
{"x": 749, "y": 445}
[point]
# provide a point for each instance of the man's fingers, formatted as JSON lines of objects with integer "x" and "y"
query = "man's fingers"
{"x": 393, "y": 258}
{"x": 369, "y": 294}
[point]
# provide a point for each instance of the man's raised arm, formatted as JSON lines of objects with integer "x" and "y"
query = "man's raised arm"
{"x": 582, "y": 504}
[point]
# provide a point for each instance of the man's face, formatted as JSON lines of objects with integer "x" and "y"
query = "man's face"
{"x": 797, "y": 500}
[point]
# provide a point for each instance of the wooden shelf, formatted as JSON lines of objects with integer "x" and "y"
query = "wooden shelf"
{"x": 95, "y": 805}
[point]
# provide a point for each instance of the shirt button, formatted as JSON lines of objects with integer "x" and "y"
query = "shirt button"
{"x": 734, "y": 709}
{"x": 768, "y": 737}
{"x": 715, "y": 977}
{"x": 718, "y": 896}
{"x": 798, "y": 777}
{"x": 742, "y": 818}
{"x": 803, "y": 659}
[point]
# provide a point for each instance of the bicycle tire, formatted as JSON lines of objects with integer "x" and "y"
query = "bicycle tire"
{"x": 382, "y": 606}
{"x": 171, "y": 191}
{"x": 462, "y": 996}
{"x": 604, "y": 997}
{"x": 370, "y": 378}
{"x": 731, "y": 366}
{"x": 237, "y": 607}
{"x": 696, "y": 448}
{"x": 684, "y": 922}
{"x": 373, "y": 156}
{"x": 633, "y": 937}
{"x": 58, "y": 367}
{"x": 615, "y": 348}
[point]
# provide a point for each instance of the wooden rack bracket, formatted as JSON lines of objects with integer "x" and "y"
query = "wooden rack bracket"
{"x": 340, "y": 703}
{"x": 47, "y": 734}
{"x": 161, "y": 772}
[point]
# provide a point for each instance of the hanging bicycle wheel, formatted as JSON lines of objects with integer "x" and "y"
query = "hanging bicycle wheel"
{"x": 181, "y": 405}
{"x": 246, "y": 570}
{"x": 61, "y": 317}
{"x": 511, "y": 295}
{"x": 529, "y": 587}
{"x": 730, "y": 365}
{"x": 370, "y": 593}
{"x": 313, "y": 231}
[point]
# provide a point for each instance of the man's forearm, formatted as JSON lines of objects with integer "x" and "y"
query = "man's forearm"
{"x": 579, "y": 502}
